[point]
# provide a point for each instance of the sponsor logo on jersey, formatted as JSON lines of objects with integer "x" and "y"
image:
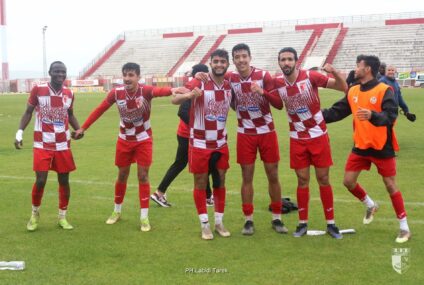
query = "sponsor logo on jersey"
{"x": 253, "y": 109}
{"x": 210, "y": 118}
{"x": 302, "y": 110}
{"x": 221, "y": 118}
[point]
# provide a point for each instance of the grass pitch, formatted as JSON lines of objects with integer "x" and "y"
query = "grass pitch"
{"x": 173, "y": 252}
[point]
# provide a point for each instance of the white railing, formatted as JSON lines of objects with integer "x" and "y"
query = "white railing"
{"x": 103, "y": 52}
{"x": 283, "y": 23}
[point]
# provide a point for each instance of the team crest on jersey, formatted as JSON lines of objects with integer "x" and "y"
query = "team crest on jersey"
{"x": 139, "y": 101}
{"x": 236, "y": 88}
{"x": 260, "y": 83}
{"x": 373, "y": 100}
{"x": 302, "y": 85}
{"x": 355, "y": 99}
{"x": 120, "y": 102}
{"x": 66, "y": 101}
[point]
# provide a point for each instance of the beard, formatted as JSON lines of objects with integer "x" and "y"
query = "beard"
{"x": 214, "y": 72}
{"x": 287, "y": 70}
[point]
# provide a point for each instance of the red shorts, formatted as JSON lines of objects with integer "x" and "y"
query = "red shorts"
{"x": 129, "y": 152}
{"x": 248, "y": 146}
{"x": 59, "y": 161}
{"x": 386, "y": 167}
{"x": 198, "y": 159}
{"x": 306, "y": 152}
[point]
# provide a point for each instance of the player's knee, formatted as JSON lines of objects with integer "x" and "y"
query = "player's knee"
{"x": 123, "y": 176}
{"x": 348, "y": 183}
{"x": 273, "y": 178}
{"x": 40, "y": 182}
{"x": 63, "y": 181}
{"x": 143, "y": 178}
{"x": 323, "y": 180}
{"x": 302, "y": 181}
{"x": 390, "y": 186}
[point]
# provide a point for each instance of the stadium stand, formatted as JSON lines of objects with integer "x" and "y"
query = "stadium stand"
{"x": 401, "y": 45}
{"x": 395, "y": 38}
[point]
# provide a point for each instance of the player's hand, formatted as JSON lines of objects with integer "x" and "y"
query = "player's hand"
{"x": 363, "y": 114}
{"x": 196, "y": 92}
{"x": 328, "y": 68}
{"x": 411, "y": 117}
{"x": 202, "y": 76}
{"x": 180, "y": 90}
{"x": 18, "y": 139}
{"x": 255, "y": 88}
{"x": 78, "y": 134}
{"x": 18, "y": 144}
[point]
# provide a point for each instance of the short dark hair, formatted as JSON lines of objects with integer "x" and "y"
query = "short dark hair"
{"x": 131, "y": 66}
{"x": 221, "y": 53}
{"x": 371, "y": 61}
{"x": 200, "y": 67}
{"x": 241, "y": 46}
{"x": 288, "y": 49}
{"x": 55, "y": 62}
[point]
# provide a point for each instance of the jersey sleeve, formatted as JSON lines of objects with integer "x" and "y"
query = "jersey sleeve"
{"x": 319, "y": 79}
{"x": 33, "y": 100}
{"x": 268, "y": 82}
{"x": 111, "y": 97}
{"x": 151, "y": 91}
{"x": 193, "y": 84}
{"x": 273, "y": 96}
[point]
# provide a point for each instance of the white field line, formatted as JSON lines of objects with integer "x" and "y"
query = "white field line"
{"x": 189, "y": 190}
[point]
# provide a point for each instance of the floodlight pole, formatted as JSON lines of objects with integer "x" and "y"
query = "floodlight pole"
{"x": 44, "y": 53}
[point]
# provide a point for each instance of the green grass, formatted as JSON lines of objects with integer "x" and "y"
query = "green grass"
{"x": 95, "y": 253}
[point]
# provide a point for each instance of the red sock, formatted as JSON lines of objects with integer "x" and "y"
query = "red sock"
{"x": 199, "y": 196}
{"x": 326, "y": 194}
{"x": 144, "y": 195}
{"x": 398, "y": 205}
{"x": 247, "y": 209}
{"x": 303, "y": 203}
{"x": 276, "y": 207}
{"x": 120, "y": 189}
{"x": 219, "y": 199}
{"x": 358, "y": 192}
{"x": 37, "y": 195}
{"x": 64, "y": 194}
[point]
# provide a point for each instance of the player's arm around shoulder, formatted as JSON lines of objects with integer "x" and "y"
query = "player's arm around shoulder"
{"x": 336, "y": 83}
{"x": 192, "y": 90}
{"x": 179, "y": 98}
{"x": 272, "y": 95}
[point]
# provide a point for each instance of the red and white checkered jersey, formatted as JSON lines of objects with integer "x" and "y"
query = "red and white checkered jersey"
{"x": 208, "y": 114}
{"x": 134, "y": 110}
{"x": 51, "y": 129}
{"x": 302, "y": 103}
{"x": 253, "y": 110}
